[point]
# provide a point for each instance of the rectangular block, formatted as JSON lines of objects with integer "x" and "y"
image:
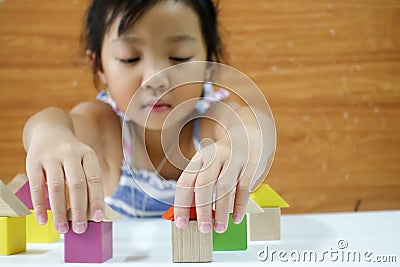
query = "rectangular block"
{"x": 234, "y": 238}
{"x": 265, "y": 226}
{"x": 12, "y": 235}
{"x": 36, "y": 233}
{"x": 189, "y": 244}
{"x": 93, "y": 246}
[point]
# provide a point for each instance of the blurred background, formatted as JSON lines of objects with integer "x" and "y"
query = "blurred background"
{"x": 329, "y": 69}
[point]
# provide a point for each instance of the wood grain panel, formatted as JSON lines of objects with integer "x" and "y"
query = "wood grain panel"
{"x": 329, "y": 69}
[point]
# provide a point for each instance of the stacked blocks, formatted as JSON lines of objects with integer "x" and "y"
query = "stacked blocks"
{"x": 12, "y": 222}
{"x": 36, "y": 233}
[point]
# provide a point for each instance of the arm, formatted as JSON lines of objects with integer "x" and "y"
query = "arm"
{"x": 65, "y": 148}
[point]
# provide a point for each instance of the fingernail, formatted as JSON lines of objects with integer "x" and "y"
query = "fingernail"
{"x": 62, "y": 228}
{"x": 205, "y": 227}
{"x": 98, "y": 215}
{"x": 219, "y": 227}
{"x": 180, "y": 222}
{"x": 42, "y": 219}
{"x": 237, "y": 218}
{"x": 80, "y": 227}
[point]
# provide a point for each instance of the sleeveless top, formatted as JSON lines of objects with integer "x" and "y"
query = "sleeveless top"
{"x": 134, "y": 194}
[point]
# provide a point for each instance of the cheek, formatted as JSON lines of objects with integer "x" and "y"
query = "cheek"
{"x": 122, "y": 85}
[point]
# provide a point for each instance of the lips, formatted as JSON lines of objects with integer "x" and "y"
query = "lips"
{"x": 159, "y": 106}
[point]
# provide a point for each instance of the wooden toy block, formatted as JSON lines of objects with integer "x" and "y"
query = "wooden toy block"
{"x": 19, "y": 185}
{"x": 36, "y": 233}
{"x": 234, "y": 238}
{"x": 10, "y": 205}
{"x": 12, "y": 222}
{"x": 189, "y": 244}
{"x": 266, "y": 197}
{"x": 93, "y": 246}
{"x": 12, "y": 235}
{"x": 265, "y": 226}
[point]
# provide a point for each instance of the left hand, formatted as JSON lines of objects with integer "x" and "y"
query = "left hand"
{"x": 230, "y": 167}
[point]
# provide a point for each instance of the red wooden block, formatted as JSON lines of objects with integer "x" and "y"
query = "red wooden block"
{"x": 93, "y": 246}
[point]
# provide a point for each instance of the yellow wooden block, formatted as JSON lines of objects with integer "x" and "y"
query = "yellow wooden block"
{"x": 12, "y": 235}
{"x": 36, "y": 233}
{"x": 266, "y": 197}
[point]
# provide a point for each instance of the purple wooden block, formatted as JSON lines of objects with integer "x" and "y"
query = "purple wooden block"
{"x": 24, "y": 194}
{"x": 93, "y": 246}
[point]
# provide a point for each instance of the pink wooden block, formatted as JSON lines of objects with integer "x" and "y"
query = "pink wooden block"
{"x": 93, "y": 246}
{"x": 24, "y": 194}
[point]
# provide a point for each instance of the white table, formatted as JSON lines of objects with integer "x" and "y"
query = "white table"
{"x": 146, "y": 242}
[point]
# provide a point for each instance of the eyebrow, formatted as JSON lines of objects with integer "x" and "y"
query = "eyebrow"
{"x": 172, "y": 39}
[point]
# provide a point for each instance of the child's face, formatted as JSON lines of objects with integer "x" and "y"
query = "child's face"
{"x": 168, "y": 34}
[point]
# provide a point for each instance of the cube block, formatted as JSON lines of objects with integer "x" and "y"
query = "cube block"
{"x": 93, "y": 246}
{"x": 234, "y": 238}
{"x": 189, "y": 244}
{"x": 12, "y": 235}
{"x": 36, "y": 233}
{"x": 265, "y": 226}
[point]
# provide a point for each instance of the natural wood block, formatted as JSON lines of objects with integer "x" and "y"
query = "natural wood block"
{"x": 36, "y": 233}
{"x": 93, "y": 246}
{"x": 12, "y": 235}
{"x": 265, "y": 226}
{"x": 189, "y": 244}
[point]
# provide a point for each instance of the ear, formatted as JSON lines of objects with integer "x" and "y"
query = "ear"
{"x": 92, "y": 57}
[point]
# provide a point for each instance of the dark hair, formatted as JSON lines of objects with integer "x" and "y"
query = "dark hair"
{"x": 102, "y": 13}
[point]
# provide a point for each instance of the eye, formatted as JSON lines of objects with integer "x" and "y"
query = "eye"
{"x": 129, "y": 60}
{"x": 180, "y": 59}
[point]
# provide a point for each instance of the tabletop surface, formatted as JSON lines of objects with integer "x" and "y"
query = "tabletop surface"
{"x": 331, "y": 239}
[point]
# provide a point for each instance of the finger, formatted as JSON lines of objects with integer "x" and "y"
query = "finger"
{"x": 204, "y": 190}
{"x": 243, "y": 193}
{"x": 184, "y": 194}
{"x": 77, "y": 187}
{"x": 92, "y": 172}
{"x": 56, "y": 188}
{"x": 225, "y": 189}
{"x": 34, "y": 171}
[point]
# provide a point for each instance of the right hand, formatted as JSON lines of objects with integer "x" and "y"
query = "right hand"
{"x": 71, "y": 171}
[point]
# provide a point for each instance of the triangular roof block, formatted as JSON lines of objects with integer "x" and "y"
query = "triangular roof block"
{"x": 266, "y": 197}
{"x": 19, "y": 185}
{"x": 10, "y": 205}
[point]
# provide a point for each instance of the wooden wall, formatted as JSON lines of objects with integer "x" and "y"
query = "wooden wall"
{"x": 330, "y": 71}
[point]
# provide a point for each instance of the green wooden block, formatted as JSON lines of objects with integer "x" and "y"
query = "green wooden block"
{"x": 235, "y": 237}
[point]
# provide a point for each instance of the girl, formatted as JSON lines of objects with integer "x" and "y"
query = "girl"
{"x": 128, "y": 41}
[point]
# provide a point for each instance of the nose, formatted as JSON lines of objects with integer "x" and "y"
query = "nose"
{"x": 155, "y": 79}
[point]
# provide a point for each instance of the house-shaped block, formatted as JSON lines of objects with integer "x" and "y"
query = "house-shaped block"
{"x": 188, "y": 243}
{"x": 35, "y": 233}
{"x": 235, "y": 236}
{"x": 12, "y": 222}
{"x": 266, "y": 226}
{"x": 93, "y": 246}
